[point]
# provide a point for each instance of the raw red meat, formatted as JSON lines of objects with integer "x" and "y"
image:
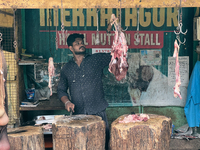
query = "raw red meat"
{"x": 135, "y": 118}
{"x": 178, "y": 80}
{"x": 118, "y": 64}
{"x": 51, "y": 71}
{"x": 47, "y": 126}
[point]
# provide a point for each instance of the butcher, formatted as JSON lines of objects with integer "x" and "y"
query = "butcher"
{"x": 82, "y": 75}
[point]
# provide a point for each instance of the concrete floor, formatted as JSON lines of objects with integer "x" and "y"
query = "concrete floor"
{"x": 183, "y": 144}
{"x": 193, "y": 144}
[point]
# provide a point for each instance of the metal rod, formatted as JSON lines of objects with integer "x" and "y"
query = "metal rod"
{"x": 6, "y": 13}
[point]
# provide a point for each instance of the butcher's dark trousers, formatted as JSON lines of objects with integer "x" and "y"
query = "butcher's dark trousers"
{"x": 104, "y": 117}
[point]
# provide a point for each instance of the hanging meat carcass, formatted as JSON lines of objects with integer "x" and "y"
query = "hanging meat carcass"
{"x": 3, "y": 73}
{"x": 51, "y": 71}
{"x": 178, "y": 80}
{"x": 118, "y": 64}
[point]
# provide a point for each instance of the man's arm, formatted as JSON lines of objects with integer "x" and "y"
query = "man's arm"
{"x": 62, "y": 92}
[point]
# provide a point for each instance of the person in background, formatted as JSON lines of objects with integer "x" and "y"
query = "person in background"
{"x": 82, "y": 75}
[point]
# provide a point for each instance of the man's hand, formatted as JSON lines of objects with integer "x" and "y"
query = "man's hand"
{"x": 69, "y": 105}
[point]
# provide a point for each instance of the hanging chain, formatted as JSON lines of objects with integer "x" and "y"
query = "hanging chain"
{"x": 120, "y": 13}
{"x": 62, "y": 26}
{"x": 179, "y": 17}
{"x": 56, "y": 13}
{"x": 15, "y": 42}
{"x": 138, "y": 24}
{"x": 97, "y": 20}
{"x": 120, "y": 17}
{"x": 180, "y": 21}
{"x": 138, "y": 19}
{"x": 179, "y": 27}
{"x": 97, "y": 35}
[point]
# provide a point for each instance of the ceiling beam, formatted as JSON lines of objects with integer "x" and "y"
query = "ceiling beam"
{"x": 37, "y": 4}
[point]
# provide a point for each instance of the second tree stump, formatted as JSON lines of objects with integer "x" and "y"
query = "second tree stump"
{"x": 79, "y": 132}
{"x": 153, "y": 134}
{"x": 26, "y": 138}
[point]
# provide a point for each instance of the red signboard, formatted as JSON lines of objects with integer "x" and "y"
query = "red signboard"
{"x": 148, "y": 39}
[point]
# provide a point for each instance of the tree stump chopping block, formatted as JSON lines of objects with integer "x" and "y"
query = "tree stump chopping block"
{"x": 154, "y": 134}
{"x": 26, "y": 138}
{"x": 79, "y": 132}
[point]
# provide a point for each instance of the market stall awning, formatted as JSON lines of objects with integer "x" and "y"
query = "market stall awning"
{"x": 34, "y": 4}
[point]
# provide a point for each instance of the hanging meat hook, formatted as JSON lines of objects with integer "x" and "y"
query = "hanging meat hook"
{"x": 179, "y": 28}
{"x": 180, "y": 24}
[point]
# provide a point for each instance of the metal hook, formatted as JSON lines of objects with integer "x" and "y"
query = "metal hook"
{"x": 178, "y": 38}
{"x": 180, "y": 25}
{"x": 125, "y": 29}
{"x": 179, "y": 28}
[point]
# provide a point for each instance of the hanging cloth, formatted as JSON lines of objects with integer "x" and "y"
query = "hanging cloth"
{"x": 192, "y": 106}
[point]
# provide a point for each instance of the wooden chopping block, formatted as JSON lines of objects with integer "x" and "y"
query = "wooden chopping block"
{"x": 79, "y": 132}
{"x": 153, "y": 134}
{"x": 26, "y": 138}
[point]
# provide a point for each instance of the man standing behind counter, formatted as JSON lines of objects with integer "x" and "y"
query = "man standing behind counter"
{"x": 83, "y": 76}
